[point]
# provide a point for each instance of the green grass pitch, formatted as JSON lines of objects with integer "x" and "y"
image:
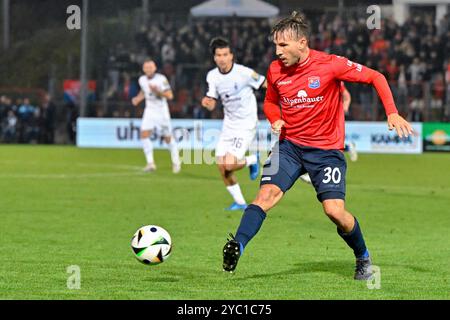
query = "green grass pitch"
{"x": 62, "y": 206}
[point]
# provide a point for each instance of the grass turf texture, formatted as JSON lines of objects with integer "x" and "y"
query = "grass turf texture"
{"x": 62, "y": 206}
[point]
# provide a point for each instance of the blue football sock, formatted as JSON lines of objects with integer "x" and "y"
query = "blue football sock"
{"x": 251, "y": 222}
{"x": 241, "y": 247}
{"x": 355, "y": 240}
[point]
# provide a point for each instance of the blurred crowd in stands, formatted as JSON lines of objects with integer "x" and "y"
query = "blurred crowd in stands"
{"x": 414, "y": 57}
{"x": 23, "y": 122}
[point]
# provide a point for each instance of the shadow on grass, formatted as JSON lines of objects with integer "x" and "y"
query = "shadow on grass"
{"x": 164, "y": 279}
{"x": 342, "y": 268}
{"x": 198, "y": 176}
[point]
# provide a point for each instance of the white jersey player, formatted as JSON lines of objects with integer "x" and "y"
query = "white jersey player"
{"x": 234, "y": 85}
{"x": 156, "y": 91}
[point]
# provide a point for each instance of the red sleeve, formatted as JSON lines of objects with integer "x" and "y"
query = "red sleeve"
{"x": 272, "y": 108}
{"x": 347, "y": 70}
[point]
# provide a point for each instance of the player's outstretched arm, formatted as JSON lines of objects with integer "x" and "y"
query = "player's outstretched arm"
{"x": 209, "y": 103}
{"x": 403, "y": 127}
{"x": 136, "y": 101}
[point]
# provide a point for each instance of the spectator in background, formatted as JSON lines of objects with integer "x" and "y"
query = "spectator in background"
{"x": 3, "y": 112}
{"x": 437, "y": 95}
{"x": 71, "y": 122}
{"x": 47, "y": 121}
{"x": 402, "y": 91}
{"x": 9, "y": 131}
{"x": 16, "y": 105}
{"x": 25, "y": 115}
{"x": 447, "y": 94}
{"x": 168, "y": 53}
{"x": 32, "y": 131}
{"x": 181, "y": 43}
{"x": 416, "y": 72}
{"x": 392, "y": 72}
{"x": 3, "y": 106}
{"x": 26, "y": 110}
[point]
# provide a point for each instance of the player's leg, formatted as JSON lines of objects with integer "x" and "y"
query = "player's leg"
{"x": 166, "y": 132}
{"x": 251, "y": 222}
{"x": 174, "y": 153}
{"x": 349, "y": 230}
{"x": 268, "y": 197}
{"x": 147, "y": 128}
{"x": 227, "y": 163}
{"x": 280, "y": 173}
{"x": 148, "y": 150}
{"x": 228, "y": 177}
{"x": 347, "y": 224}
{"x": 328, "y": 170}
{"x": 252, "y": 161}
{"x": 232, "y": 163}
{"x": 232, "y": 185}
{"x": 238, "y": 145}
{"x": 227, "y": 166}
{"x": 351, "y": 149}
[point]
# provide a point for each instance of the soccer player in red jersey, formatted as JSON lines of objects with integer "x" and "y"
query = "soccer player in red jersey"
{"x": 303, "y": 104}
{"x": 349, "y": 147}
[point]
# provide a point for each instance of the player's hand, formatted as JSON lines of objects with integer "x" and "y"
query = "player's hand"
{"x": 277, "y": 126}
{"x": 135, "y": 101}
{"x": 209, "y": 103}
{"x": 403, "y": 128}
{"x": 155, "y": 90}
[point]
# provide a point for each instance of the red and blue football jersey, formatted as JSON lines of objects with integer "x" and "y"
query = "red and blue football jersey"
{"x": 309, "y": 95}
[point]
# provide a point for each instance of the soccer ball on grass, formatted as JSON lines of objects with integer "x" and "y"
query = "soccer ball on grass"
{"x": 151, "y": 245}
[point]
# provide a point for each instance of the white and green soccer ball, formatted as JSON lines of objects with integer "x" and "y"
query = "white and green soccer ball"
{"x": 151, "y": 245}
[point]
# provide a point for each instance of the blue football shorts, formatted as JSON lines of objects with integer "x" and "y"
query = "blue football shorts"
{"x": 288, "y": 161}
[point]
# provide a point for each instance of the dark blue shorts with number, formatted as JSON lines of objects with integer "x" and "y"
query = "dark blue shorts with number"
{"x": 289, "y": 161}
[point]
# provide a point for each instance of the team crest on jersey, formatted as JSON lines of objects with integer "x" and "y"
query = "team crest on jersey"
{"x": 314, "y": 82}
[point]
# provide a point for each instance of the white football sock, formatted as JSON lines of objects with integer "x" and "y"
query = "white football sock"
{"x": 148, "y": 150}
{"x": 174, "y": 153}
{"x": 236, "y": 193}
{"x": 251, "y": 160}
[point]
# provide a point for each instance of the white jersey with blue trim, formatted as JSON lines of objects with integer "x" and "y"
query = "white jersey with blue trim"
{"x": 236, "y": 91}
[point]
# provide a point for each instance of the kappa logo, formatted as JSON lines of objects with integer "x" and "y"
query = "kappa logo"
{"x": 314, "y": 82}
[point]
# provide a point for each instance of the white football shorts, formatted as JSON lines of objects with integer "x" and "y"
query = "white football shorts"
{"x": 158, "y": 123}
{"x": 235, "y": 142}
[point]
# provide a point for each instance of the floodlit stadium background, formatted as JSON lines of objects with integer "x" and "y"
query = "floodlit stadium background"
{"x": 41, "y": 55}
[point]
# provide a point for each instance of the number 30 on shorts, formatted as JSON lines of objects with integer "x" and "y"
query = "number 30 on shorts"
{"x": 331, "y": 174}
